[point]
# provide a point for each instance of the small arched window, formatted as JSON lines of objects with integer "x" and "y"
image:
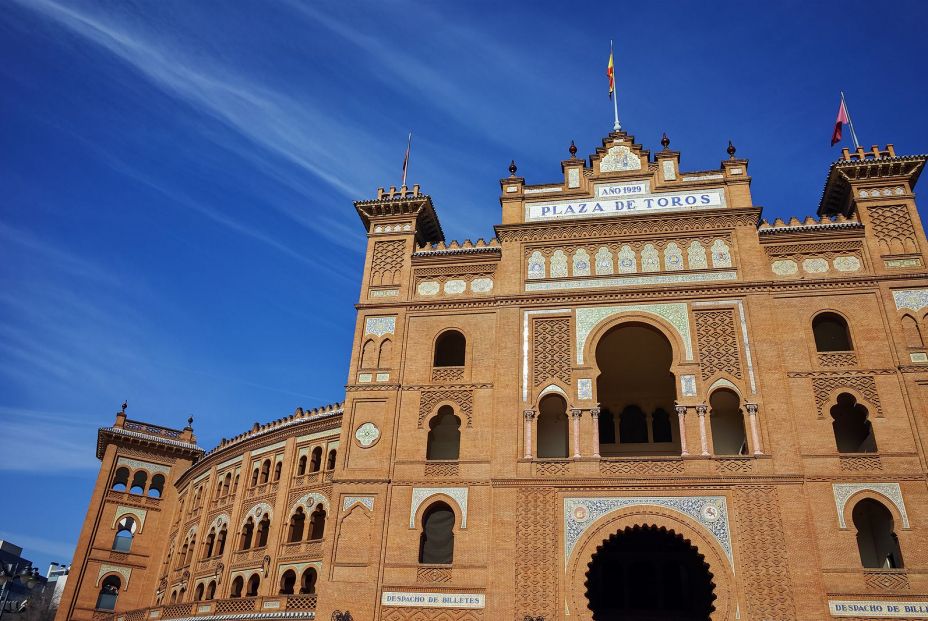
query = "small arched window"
{"x": 253, "y": 583}
{"x": 853, "y": 431}
{"x": 266, "y": 471}
{"x": 287, "y": 582}
{"x": 226, "y": 484}
{"x": 831, "y": 333}
{"x": 308, "y": 581}
{"x": 301, "y": 466}
{"x": 209, "y": 544}
{"x": 237, "y": 585}
{"x": 211, "y": 590}
{"x": 552, "y": 427}
{"x": 254, "y": 476}
{"x": 450, "y": 347}
{"x": 188, "y": 555}
{"x": 385, "y": 354}
{"x": 109, "y": 592}
{"x": 277, "y": 468}
{"x": 248, "y": 531}
{"x": 369, "y": 355}
{"x": 173, "y": 597}
{"x": 317, "y": 523}
{"x": 436, "y": 543}
{"x": 157, "y": 486}
{"x": 198, "y": 593}
{"x": 297, "y": 525}
{"x": 264, "y": 526}
{"x": 221, "y": 540}
{"x": 316, "y": 462}
{"x": 183, "y": 553}
{"x": 235, "y": 484}
{"x": 330, "y": 461}
{"x": 913, "y": 336}
{"x": 444, "y": 439}
{"x": 125, "y": 531}
{"x": 121, "y": 480}
{"x": 138, "y": 483}
{"x": 876, "y": 541}
{"x": 727, "y": 422}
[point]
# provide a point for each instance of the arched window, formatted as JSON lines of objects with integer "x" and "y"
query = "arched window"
{"x": 248, "y": 531}
{"x": 633, "y": 425}
{"x": 386, "y": 352}
{"x": 287, "y": 582}
{"x": 444, "y": 439}
{"x": 606, "y": 427}
{"x": 211, "y": 590}
{"x": 297, "y": 524}
{"x": 301, "y": 467}
{"x": 221, "y": 540}
{"x": 183, "y": 553}
{"x": 253, "y": 583}
{"x": 237, "y": 585}
{"x": 157, "y": 486}
{"x": 317, "y": 523}
{"x": 198, "y": 593}
{"x": 913, "y": 336}
{"x": 436, "y": 543}
{"x": 552, "y": 427}
{"x": 173, "y": 597}
{"x": 876, "y": 541}
{"x": 316, "y": 462}
{"x": 138, "y": 483}
{"x": 330, "y": 461}
{"x": 188, "y": 555}
{"x": 235, "y": 484}
{"x": 853, "y": 431}
{"x": 121, "y": 480}
{"x": 308, "y": 581}
{"x": 727, "y": 422}
{"x": 125, "y": 530}
{"x": 263, "y": 527}
{"x": 209, "y": 544}
{"x": 266, "y": 471}
{"x": 369, "y": 354}
{"x": 660, "y": 426}
{"x": 182, "y": 594}
{"x": 450, "y": 347}
{"x": 277, "y": 468}
{"x": 226, "y": 484}
{"x": 831, "y": 333}
{"x": 254, "y": 477}
{"x": 109, "y": 592}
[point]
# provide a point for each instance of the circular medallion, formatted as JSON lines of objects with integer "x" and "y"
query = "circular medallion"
{"x": 710, "y": 512}
{"x": 367, "y": 434}
{"x": 581, "y": 513}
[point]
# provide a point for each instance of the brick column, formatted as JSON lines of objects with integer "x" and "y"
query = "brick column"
{"x": 703, "y": 440}
{"x": 594, "y": 412}
{"x": 575, "y": 416}
{"x": 529, "y": 416}
{"x": 681, "y": 414}
{"x": 755, "y": 434}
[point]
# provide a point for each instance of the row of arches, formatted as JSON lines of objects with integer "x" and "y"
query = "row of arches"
{"x": 139, "y": 483}
{"x": 314, "y": 463}
{"x": 297, "y": 525}
{"x": 262, "y": 472}
{"x": 227, "y": 485}
{"x": 240, "y": 587}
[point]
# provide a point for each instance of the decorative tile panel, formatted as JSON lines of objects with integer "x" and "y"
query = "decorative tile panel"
{"x": 138, "y": 464}
{"x": 604, "y": 265}
{"x": 125, "y": 572}
{"x": 688, "y": 385}
{"x": 846, "y": 263}
{"x": 631, "y": 281}
{"x": 536, "y": 265}
{"x": 696, "y": 256}
{"x": 573, "y": 178}
{"x": 670, "y": 172}
{"x": 784, "y": 267}
{"x": 815, "y": 266}
{"x": 428, "y": 287}
{"x": 711, "y": 512}
{"x": 454, "y": 287}
{"x": 558, "y": 264}
{"x": 581, "y": 263}
{"x": 384, "y": 293}
{"x": 309, "y": 502}
{"x": 914, "y": 299}
{"x": 367, "y": 434}
{"x": 481, "y": 285}
{"x": 378, "y": 326}
{"x": 892, "y": 491}
{"x": 135, "y": 512}
{"x": 584, "y": 389}
{"x": 421, "y": 494}
{"x": 721, "y": 255}
{"x": 619, "y": 158}
{"x": 676, "y": 314}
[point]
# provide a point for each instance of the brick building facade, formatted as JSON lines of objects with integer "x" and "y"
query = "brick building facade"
{"x": 638, "y": 401}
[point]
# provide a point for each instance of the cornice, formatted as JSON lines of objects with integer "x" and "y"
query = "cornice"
{"x": 177, "y": 447}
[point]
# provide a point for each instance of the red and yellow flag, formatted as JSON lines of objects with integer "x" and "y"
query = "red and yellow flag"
{"x": 610, "y": 73}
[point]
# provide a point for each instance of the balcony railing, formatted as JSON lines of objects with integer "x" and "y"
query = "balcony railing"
{"x": 236, "y": 605}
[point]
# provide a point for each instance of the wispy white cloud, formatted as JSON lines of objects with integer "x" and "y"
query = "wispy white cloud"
{"x": 63, "y": 551}
{"x": 34, "y": 439}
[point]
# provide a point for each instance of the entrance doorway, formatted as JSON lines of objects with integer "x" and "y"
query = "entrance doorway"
{"x": 646, "y": 573}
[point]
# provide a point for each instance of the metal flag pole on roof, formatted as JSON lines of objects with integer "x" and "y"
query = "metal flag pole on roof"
{"x": 850, "y": 123}
{"x": 406, "y": 158}
{"x": 610, "y": 71}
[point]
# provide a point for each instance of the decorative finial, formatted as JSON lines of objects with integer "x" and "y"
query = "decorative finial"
{"x": 665, "y": 141}
{"x": 512, "y": 168}
{"x": 573, "y": 150}
{"x": 190, "y": 423}
{"x": 125, "y": 404}
{"x": 731, "y": 150}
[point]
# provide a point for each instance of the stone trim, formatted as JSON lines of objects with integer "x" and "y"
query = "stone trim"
{"x": 421, "y": 494}
{"x": 891, "y": 491}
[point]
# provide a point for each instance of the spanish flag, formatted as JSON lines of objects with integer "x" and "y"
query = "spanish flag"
{"x": 610, "y": 73}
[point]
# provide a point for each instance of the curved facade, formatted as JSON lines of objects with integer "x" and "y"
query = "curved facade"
{"x": 638, "y": 401}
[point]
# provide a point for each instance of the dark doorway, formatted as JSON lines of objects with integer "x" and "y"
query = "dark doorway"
{"x": 648, "y": 573}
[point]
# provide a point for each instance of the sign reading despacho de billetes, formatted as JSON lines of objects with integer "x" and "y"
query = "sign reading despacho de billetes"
{"x": 433, "y": 600}
{"x": 883, "y": 609}
{"x": 625, "y": 199}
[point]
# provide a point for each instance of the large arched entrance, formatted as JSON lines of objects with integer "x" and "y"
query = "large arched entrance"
{"x": 636, "y": 392}
{"x": 647, "y": 573}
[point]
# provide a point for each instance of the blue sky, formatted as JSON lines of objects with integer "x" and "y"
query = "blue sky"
{"x": 176, "y": 227}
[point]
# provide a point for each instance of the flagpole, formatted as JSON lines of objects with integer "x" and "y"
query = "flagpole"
{"x": 615, "y": 91}
{"x": 406, "y": 159}
{"x": 850, "y": 123}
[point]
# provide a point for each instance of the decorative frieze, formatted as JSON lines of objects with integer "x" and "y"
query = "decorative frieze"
{"x": 717, "y": 339}
{"x": 675, "y": 314}
{"x": 891, "y": 491}
{"x": 551, "y": 350}
{"x": 421, "y": 494}
{"x": 379, "y": 326}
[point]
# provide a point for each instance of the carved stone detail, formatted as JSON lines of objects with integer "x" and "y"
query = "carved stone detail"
{"x": 536, "y": 553}
{"x": 387, "y": 262}
{"x": 429, "y": 399}
{"x": 864, "y": 384}
{"x": 551, "y": 349}
{"x": 717, "y": 339}
{"x": 892, "y": 226}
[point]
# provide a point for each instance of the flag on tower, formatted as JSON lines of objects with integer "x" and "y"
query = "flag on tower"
{"x": 406, "y": 157}
{"x": 840, "y": 122}
{"x": 610, "y": 73}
